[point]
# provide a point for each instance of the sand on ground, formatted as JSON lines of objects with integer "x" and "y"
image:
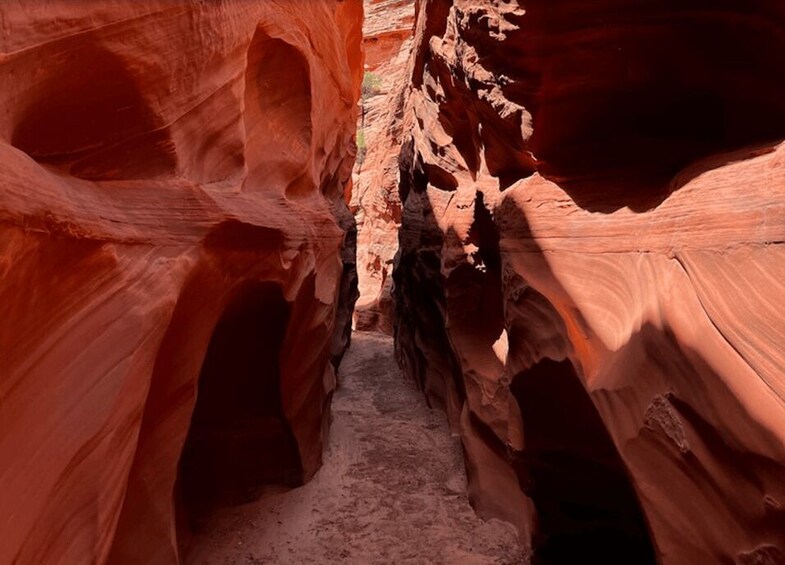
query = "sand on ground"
{"x": 392, "y": 488}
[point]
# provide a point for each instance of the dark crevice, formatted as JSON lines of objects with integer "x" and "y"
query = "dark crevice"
{"x": 474, "y": 288}
{"x": 504, "y": 147}
{"x": 461, "y": 125}
{"x": 239, "y": 440}
{"x": 485, "y": 236}
{"x": 588, "y": 510}
{"x": 435, "y": 25}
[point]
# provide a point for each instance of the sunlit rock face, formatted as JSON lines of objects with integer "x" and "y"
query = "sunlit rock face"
{"x": 387, "y": 42}
{"x": 172, "y": 290}
{"x": 591, "y": 269}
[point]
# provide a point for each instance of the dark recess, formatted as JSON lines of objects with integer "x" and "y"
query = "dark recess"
{"x": 624, "y": 95}
{"x": 588, "y": 511}
{"x": 239, "y": 440}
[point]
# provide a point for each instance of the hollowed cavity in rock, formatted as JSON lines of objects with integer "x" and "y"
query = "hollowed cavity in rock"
{"x": 86, "y": 115}
{"x": 239, "y": 441}
{"x": 278, "y": 125}
{"x": 588, "y": 511}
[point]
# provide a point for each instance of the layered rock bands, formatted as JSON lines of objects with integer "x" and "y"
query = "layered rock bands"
{"x": 591, "y": 269}
{"x": 172, "y": 289}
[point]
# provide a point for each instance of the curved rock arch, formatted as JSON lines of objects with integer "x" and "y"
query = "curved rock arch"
{"x": 277, "y": 116}
{"x": 88, "y": 117}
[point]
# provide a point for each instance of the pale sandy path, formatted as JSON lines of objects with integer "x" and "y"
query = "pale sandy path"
{"x": 392, "y": 488}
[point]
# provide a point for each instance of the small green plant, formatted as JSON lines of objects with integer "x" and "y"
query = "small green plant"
{"x": 372, "y": 85}
{"x": 362, "y": 149}
{"x": 360, "y": 138}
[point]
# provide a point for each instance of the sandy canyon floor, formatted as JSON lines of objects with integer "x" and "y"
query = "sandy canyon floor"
{"x": 392, "y": 488}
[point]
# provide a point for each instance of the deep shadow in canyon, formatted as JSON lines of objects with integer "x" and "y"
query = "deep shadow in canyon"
{"x": 239, "y": 439}
{"x": 586, "y": 507}
{"x": 589, "y": 208}
{"x": 107, "y": 132}
{"x": 570, "y": 468}
{"x": 660, "y": 87}
{"x": 623, "y": 97}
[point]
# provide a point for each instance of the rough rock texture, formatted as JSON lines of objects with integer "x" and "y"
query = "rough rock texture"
{"x": 387, "y": 43}
{"x": 387, "y": 27}
{"x": 172, "y": 180}
{"x": 591, "y": 269}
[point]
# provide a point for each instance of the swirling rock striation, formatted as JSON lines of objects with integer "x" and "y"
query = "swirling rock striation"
{"x": 172, "y": 180}
{"x": 591, "y": 268}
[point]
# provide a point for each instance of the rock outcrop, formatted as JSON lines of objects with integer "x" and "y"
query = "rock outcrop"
{"x": 387, "y": 42}
{"x": 172, "y": 180}
{"x": 591, "y": 269}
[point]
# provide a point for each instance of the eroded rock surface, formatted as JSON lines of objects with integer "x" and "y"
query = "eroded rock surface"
{"x": 172, "y": 179}
{"x": 387, "y": 43}
{"x": 591, "y": 269}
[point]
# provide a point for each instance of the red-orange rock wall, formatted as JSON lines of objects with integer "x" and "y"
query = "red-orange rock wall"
{"x": 158, "y": 162}
{"x": 591, "y": 269}
{"x": 388, "y": 25}
{"x": 387, "y": 43}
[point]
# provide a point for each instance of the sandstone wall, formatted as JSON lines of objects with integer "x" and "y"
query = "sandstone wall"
{"x": 165, "y": 167}
{"x": 591, "y": 269}
{"x": 387, "y": 43}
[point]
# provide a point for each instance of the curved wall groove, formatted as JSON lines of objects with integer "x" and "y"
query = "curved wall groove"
{"x": 88, "y": 116}
{"x": 277, "y": 116}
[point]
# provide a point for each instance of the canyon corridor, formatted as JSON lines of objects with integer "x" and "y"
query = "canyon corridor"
{"x": 392, "y": 281}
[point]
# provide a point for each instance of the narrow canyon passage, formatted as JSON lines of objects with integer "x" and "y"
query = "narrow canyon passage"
{"x": 392, "y": 488}
{"x": 558, "y": 227}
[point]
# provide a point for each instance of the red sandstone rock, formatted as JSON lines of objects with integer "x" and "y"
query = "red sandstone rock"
{"x": 387, "y": 43}
{"x": 171, "y": 204}
{"x": 591, "y": 269}
{"x": 388, "y": 25}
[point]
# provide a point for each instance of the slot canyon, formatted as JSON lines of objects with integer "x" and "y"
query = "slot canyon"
{"x": 392, "y": 281}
